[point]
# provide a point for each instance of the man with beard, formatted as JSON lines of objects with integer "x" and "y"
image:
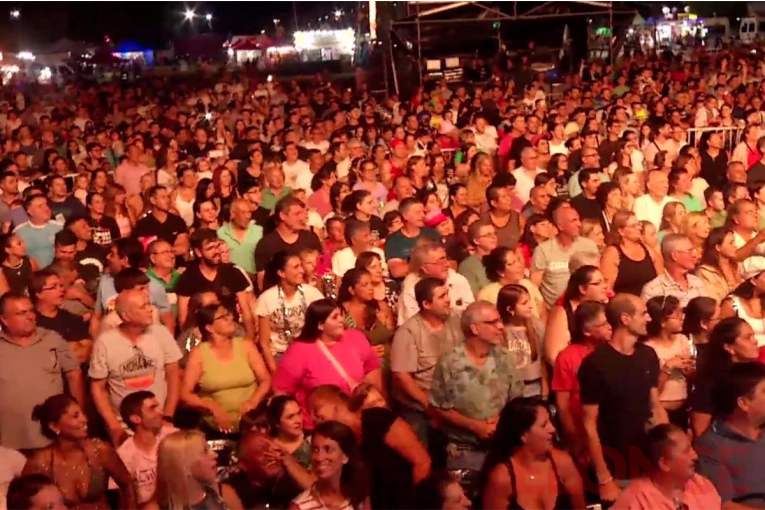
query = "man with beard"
{"x": 619, "y": 392}
{"x": 210, "y": 275}
{"x": 268, "y": 477}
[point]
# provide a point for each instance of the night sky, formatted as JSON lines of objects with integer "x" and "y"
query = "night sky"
{"x": 151, "y": 23}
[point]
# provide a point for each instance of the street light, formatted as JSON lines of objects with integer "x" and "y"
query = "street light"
{"x": 338, "y": 13}
{"x": 15, "y": 14}
{"x": 189, "y": 14}
{"x": 276, "y": 21}
{"x": 208, "y": 17}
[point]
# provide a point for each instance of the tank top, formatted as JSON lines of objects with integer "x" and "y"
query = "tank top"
{"x": 632, "y": 275}
{"x": 758, "y": 325}
{"x": 309, "y": 500}
{"x": 18, "y": 277}
{"x": 185, "y": 209}
{"x": 228, "y": 383}
{"x": 123, "y": 222}
{"x": 562, "y": 502}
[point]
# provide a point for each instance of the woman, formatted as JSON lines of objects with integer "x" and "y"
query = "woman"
{"x": 746, "y": 302}
{"x": 558, "y": 170}
{"x": 360, "y": 204}
{"x": 609, "y": 197}
{"x": 224, "y": 182}
{"x": 337, "y": 194}
{"x": 116, "y": 207}
{"x": 440, "y": 491}
{"x": 281, "y": 308}
{"x": 370, "y": 181}
{"x": 341, "y": 481}
{"x": 187, "y": 474}
{"x": 80, "y": 466}
{"x": 326, "y": 352}
{"x": 105, "y": 228}
{"x": 458, "y": 200}
{"x": 386, "y": 292}
{"x": 671, "y": 219}
{"x": 206, "y": 214}
{"x": 627, "y": 264}
{"x": 650, "y": 236}
{"x": 182, "y": 198}
{"x": 523, "y": 469}
{"x": 99, "y": 181}
{"x": 17, "y": 267}
{"x": 225, "y": 375}
{"x": 537, "y": 230}
{"x": 524, "y": 336}
{"x": 167, "y": 165}
{"x": 731, "y": 341}
{"x": 364, "y": 312}
{"x": 718, "y": 268}
{"x": 481, "y": 174}
{"x": 395, "y": 458}
{"x": 593, "y": 230}
{"x": 190, "y": 335}
{"x": 503, "y": 267}
{"x": 286, "y": 426}
{"x": 585, "y": 284}
{"x": 34, "y": 492}
{"x": 322, "y": 184}
{"x": 253, "y": 173}
{"x": 696, "y": 227}
{"x": 701, "y": 315}
{"x": 440, "y": 176}
{"x": 629, "y": 184}
{"x": 674, "y": 352}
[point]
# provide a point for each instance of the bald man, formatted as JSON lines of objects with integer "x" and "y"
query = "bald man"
{"x": 268, "y": 478}
{"x": 137, "y": 355}
{"x": 241, "y": 235}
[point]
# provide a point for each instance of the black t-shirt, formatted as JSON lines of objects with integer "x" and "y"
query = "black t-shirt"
{"x": 377, "y": 227}
{"x": 273, "y": 243}
{"x": 71, "y": 327}
{"x": 709, "y": 370}
{"x": 105, "y": 231}
{"x": 712, "y": 170}
{"x": 168, "y": 231}
{"x": 90, "y": 264}
{"x": 262, "y": 216}
{"x": 195, "y": 151}
{"x": 587, "y": 207}
{"x": 228, "y": 282}
{"x": 391, "y": 474}
{"x": 621, "y": 388}
{"x": 516, "y": 148}
{"x": 276, "y": 494}
{"x": 68, "y": 208}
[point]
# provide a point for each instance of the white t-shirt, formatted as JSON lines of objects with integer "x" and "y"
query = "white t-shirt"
{"x": 303, "y": 181}
{"x": 141, "y": 465}
{"x": 322, "y": 146}
{"x": 345, "y": 260}
{"x": 292, "y": 315}
{"x": 291, "y": 172}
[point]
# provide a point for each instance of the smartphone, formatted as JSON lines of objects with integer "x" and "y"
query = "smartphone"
{"x": 270, "y": 78}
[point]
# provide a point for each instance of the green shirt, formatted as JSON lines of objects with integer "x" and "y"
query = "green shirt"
{"x": 692, "y": 204}
{"x": 242, "y": 250}
{"x": 172, "y": 298}
{"x": 269, "y": 200}
{"x": 718, "y": 220}
{"x": 472, "y": 269}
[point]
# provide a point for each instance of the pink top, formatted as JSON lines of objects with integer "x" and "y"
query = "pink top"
{"x": 142, "y": 466}
{"x": 319, "y": 202}
{"x": 304, "y": 366}
{"x": 641, "y": 494}
{"x": 128, "y": 175}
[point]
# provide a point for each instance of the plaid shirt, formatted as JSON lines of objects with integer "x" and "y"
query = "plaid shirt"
{"x": 664, "y": 285}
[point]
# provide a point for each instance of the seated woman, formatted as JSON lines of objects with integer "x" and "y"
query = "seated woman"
{"x": 285, "y": 420}
{"x": 224, "y": 375}
{"x": 326, "y": 353}
{"x": 389, "y": 447}
{"x": 505, "y": 267}
{"x": 79, "y": 465}
{"x": 523, "y": 469}
{"x": 386, "y": 291}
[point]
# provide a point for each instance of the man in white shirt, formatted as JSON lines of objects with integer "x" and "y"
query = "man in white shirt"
{"x": 649, "y": 207}
{"x": 526, "y": 173}
{"x": 485, "y": 135}
{"x": 293, "y": 166}
{"x": 358, "y": 235}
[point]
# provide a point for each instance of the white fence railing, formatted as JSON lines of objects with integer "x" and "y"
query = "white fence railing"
{"x": 731, "y": 135}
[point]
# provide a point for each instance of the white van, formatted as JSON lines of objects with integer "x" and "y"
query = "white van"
{"x": 750, "y": 30}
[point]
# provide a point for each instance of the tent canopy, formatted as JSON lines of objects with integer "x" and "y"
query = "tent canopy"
{"x": 129, "y": 47}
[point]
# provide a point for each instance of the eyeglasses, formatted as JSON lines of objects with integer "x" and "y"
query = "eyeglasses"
{"x": 225, "y": 315}
{"x": 494, "y": 322}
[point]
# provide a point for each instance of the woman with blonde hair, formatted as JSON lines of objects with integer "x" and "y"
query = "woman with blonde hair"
{"x": 481, "y": 174}
{"x": 718, "y": 268}
{"x": 592, "y": 229}
{"x": 187, "y": 474}
{"x": 627, "y": 262}
{"x": 671, "y": 219}
{"x": 116, "y": 207}
{"x": 696, "y": 227}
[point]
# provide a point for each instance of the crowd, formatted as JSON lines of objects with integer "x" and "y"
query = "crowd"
{"x": 252, "y": 295}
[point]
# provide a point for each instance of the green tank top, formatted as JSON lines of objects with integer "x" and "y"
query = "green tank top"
{"x": 228, "y": 383}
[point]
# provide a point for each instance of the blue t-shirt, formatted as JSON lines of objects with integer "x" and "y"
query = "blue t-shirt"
{"x": 399, "y": 246}
{"x": 39, "y": 240}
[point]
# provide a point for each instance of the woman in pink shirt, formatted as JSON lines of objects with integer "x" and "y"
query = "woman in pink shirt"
{"x": 326, "y": 353}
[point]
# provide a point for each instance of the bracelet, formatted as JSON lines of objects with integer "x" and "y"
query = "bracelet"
{"x": 606, "y": 481}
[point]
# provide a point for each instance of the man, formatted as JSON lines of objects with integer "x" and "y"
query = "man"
{"x": 9, "y": 185}
{"x": 201, "y": 146}
{"x": 402, "y": 189}
{"x": 590, "y": 159}
{"x": 81, "y": 280}
{"x": 680, "y": 259}
{"x": 619, "y": 385}
{"x": 549, "y": 263}
{"x": 586, "y": 204}
{"x": 483, "y": 239}
{"x": 34, "y": 363}
{"x": 399, "y": 245}
{"x": 431, "y": 260}
{"x": 471, "y": 384}
{"x": 39, "y": 232}
{"x": 63, "y": 205}
{"x": 681, "y": 183}
{"x": 260, "y": 215}
{"x": 416, "y": 347}
{"x": 732, "y": 450}
{"x": 661, "y": 142}
{"x": 276, "y": 190}
{"x": 672, "y": 480}
{"x": 304, "y": 178}
{"x": 358, "y": 235}
{"x": 90, "y": 257}
{"x": 293, "y": 166}
{"x": 339, "y": 156}
{"x": 241, "y": 235}
{"x": 526, "y": 173}
{"x": 47, "y": 293}
{"x": 162, "y": 223}
{"x": 756, "y": 171}
{"x": 650, "y": 207}
{"x": 267, "y": 477}
{"x": 137, "y": 355}
{"x": 743, "y": 220}
{"x": 539, "y": 201}
{"x": 209, "y": 274}
{"x": 141, "y": 412}
{"x": 128, "y": 174}
{"x": 291, "y": 234}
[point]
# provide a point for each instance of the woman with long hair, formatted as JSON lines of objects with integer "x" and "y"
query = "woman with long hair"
{"x": 538, "y": 229}
{"x": 17, "y": 267}
{"x": 360, "y": 204}
{"x": 747, "y": 301}
{"x": 629, "y": 184}
{"x": 731, "y": 341}
{"x": 395, "y": 458}
{"x": 225, "y": 375}
{"x": 585, "y": 284}
{"x": 524, "y": 336}
{"x": 523, "y": 469}
{"x": 558, "y": 169}
{"x": 81, "y": 466}
{"x": 322, "y": 183}
{"x": 281, "y": 307}
{"x": 363, "y": 312}
{"x": 325, "y": 352}
{"x": 285, "y": 423}
{"x": 701, "y": 315}
{"x": 187, "y": 474}
{"x": 116, "y": 207}
{"x": 341, "y": 479}
{"x": 627, "y": 263}
{"x": 369, "y": 180}
{"x": 481, "y": 174}
{"x": 337, "y": 194}
{"x": 99, "y": 180}
{"x": 386, "y": 291}
{"x": 458, "y": 200}
{"x": 224, "y": 182}
{"x": 718, "y": 268}
{"x": 674, "y": 352}
{"x": 609, "y": 197}
{"x": 671, "y": 219}
{"x": 592, "y": 229}
{"x": 190, "y": 335}
{"x": 695, "y": 226}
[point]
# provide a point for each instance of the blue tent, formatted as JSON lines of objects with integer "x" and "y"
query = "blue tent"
{"x": 129, "y": 47}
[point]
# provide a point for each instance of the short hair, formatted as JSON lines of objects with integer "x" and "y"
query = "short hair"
{"x": 475, "y": 228}
{"x": 130, "y": 278}
{"x": 583, "y": 258}
{"x": 584, "y": 315}
{"x": 131, "y": 405}
{"x": 353, "y": 227}
{"x": 202, "y": 236}
{"x": 619, "y": 305}
{"x": 31, "y": 198}
{"x": 407, "y": 204}
{"x": 285, "y": 204}
{"x": 585, "y": 174}
{"x": 709, "y": 193}
{"x": 670, "y": 242}
{"x": 740, "y": 381}
{"x": 22, "y": 490}
{"x": 10, "y": 296}
{"x": 156, "y": 189}
{"x": 131, "y": 249}
{"x": 471, "y": 314}
{"x": 658, "y": 440}
{"x": 37, "y": 282}
{"x": 424, "y": 289}
{"x": 65, "y": 238}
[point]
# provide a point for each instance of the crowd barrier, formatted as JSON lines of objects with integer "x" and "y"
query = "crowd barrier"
{"x": 731, "y": 135}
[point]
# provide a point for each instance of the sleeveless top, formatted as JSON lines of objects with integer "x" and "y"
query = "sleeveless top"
{"x": 758, "y": 325}
{"x": 562, "y": 502}
{"x": 185, "y": 209}
{"x": 308, "y": 500}
{"x": 228, "y": 383}
{"x": 632, "y": 275}
{"x": 18, "y": 277}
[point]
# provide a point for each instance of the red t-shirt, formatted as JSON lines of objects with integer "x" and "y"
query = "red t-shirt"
{"x": 565, "y": 376}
